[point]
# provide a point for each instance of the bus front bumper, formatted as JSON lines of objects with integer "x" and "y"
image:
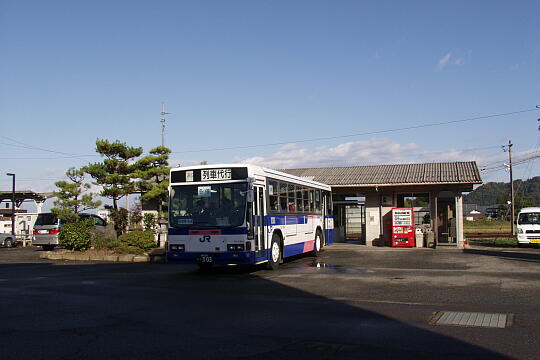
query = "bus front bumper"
{"x": 221, "y": 258}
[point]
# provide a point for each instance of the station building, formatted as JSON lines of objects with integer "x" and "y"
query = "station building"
{"x": 364, "y": 196}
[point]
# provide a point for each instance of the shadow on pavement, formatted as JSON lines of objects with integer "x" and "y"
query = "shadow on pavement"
{"x": 509, "y": 255}
{"x": 149, "y": 311}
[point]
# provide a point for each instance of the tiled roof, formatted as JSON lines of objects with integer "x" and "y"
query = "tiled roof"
{"x": 377, "y": 175}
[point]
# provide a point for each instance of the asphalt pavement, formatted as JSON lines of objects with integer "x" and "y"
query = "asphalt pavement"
{"x": 352, "y": 302}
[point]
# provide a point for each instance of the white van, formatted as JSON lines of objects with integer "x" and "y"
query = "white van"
{"x": 528, "y": 226}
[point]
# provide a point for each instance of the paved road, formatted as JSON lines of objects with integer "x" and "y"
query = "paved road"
{"x": 351, "y": 303}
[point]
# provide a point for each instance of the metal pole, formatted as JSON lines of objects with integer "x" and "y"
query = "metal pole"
{"x": 12, "y": 205}
{"x": 163, "y": 114}
{"x": 511, "y": 186}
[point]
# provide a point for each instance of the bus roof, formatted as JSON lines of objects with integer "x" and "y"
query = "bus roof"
{"x": 255, "y": 170}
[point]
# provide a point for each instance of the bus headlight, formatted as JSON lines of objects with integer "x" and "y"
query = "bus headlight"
{"x": 520, "y": 231}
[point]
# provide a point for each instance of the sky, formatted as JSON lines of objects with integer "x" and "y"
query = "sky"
{"x": 239, "y": 74}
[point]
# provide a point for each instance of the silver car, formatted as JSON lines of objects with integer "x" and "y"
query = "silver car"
{"x": 47, "y": 228}
{"x": 8, "y": 240}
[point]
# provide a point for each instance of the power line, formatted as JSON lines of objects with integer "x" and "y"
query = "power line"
{"x": 359, "y": 134}
{"x": 27, "y": 146}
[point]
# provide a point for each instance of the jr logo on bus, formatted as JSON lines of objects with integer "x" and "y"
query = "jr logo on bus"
{"x": 205, "y": 238}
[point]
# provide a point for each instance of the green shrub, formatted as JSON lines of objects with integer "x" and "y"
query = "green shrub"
{"x": 76, "y": 235}
{"x": 143, "y": 240}
{"x": 104, "y": 243}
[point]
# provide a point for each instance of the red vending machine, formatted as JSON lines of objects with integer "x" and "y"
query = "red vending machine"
{"x": 403, "y": 227}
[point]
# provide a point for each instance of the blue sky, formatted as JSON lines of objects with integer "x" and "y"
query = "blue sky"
{"x": 237, "y": 73}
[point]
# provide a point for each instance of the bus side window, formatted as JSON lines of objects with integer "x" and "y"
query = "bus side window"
{"x": 311, "y": 201}
{"x": 283, "y": 197}
{"x": 299, "y": 206}
{"x": 292, "y": 206}
{"x": 306, "y": 199}
{"x": 318, "y": 201}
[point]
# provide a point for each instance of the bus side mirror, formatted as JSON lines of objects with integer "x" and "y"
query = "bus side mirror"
{"x": 250, "y": 196}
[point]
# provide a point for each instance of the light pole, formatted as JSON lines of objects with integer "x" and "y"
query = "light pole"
{"x": 12, "y": 205}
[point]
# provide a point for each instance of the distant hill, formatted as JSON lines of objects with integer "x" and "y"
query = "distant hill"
{"x": 491, "y": 193}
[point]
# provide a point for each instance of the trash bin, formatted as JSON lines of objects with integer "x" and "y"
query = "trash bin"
{"x": 419, "y": 237}
{"x": 430, "y": 238}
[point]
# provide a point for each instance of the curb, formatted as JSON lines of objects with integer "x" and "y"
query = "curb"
{"x": 73, "y": 256}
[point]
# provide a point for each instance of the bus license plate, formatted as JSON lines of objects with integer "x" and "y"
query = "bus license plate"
{"x": 205, "y": 259}
{"x": 535, "y": 241}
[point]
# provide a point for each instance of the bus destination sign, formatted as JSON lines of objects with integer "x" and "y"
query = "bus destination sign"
{"x": 216, "y": 174}
{"x": 209, "y": 175}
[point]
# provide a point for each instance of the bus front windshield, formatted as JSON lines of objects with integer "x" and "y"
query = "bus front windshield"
{"x": 532, "y": 218}
{"x": 208, "y": 206}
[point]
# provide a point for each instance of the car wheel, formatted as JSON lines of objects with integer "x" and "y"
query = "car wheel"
{"x": 8, "y": 243}
{"x": 317, "y": 247}
{"x": 275, "y": 252}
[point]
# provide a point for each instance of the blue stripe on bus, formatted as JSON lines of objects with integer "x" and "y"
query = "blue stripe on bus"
{"x": 224, "y": 258}
{"x": 233, "y": 231}
{"x": 286, "y": 220}
{"x": 293, "y": 249}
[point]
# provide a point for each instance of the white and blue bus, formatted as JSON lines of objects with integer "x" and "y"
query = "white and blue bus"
{"x": 244, "y": 214}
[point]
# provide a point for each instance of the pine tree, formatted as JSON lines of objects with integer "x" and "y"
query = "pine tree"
{"x": 71, "y": 198}
{"x": 114, "y": 173}
{"x": 152, "y": 174}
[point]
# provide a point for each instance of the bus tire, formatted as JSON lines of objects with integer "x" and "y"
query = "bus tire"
{"x": 275, "y": 252}
{"x": 317, "y": 247}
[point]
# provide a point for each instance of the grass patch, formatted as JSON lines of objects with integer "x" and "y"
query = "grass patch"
{"x": 486, "y": 226}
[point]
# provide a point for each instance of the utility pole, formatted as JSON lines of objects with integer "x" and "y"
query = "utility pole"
{"x": 12, "y": 205}
{"x": 511, "y": 183}
{"x": 163, "y": 114}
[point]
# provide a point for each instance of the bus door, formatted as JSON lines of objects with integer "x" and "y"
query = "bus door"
{"x": 258, "y": 217}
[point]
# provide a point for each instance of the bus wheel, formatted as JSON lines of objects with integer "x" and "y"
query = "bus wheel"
{"x": 317, "y": 247}
{"x": 275, "y": 252}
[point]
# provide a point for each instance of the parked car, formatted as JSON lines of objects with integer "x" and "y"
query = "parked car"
{"x": 47, "y": 228}
{"x": 528, "y": 226}
{"x": 8, "y": 240}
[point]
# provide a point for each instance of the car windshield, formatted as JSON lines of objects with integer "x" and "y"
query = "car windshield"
{"x": 532, "y": 218}
{"x": 46, "y": 219}
{"x": 208, "y": 206}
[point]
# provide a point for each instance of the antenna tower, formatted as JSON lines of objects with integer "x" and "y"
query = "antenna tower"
{"x": 163, "y": 115}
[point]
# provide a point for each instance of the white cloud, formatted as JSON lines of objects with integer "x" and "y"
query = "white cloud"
{"x": 373, "y": 151}
{"x": 450, "y": 59}
{"x": 382, "y": 151}
{"x": 458, "y": 61}
{"x": 444, "y": 61}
